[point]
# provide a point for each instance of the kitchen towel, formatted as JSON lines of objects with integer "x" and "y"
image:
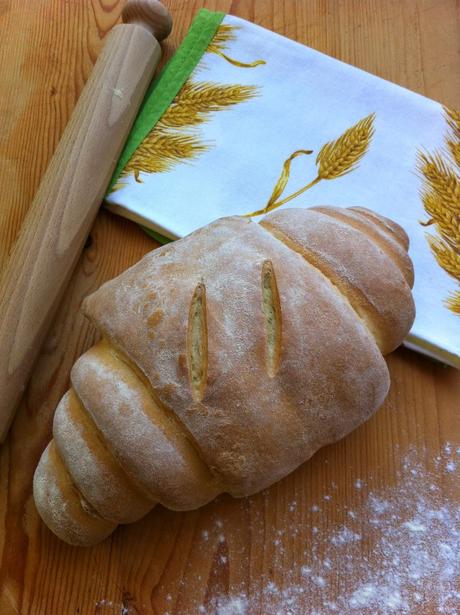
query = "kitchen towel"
{"x": 243, "y": 121}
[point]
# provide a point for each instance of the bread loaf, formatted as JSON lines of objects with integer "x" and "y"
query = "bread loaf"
{"x": 226, "y": 360}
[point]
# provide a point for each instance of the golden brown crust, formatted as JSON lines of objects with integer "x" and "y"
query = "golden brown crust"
{"x": 150, "y": 447}
{"x": 93, "y": 469}
{"x": 385, "y": 224}
{"x": 61, "y": 506}
{"x": 228, "y": 359}
{"x": 383, "y": 237}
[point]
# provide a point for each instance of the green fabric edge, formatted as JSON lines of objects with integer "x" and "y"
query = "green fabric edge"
{"x": 168, "y": 83}
{"x": 159, "y": 238}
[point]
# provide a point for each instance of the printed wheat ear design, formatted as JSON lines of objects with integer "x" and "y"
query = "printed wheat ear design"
{"x": 197, "y": 100}
{"x": 343, "y": 155}
{"x": 453, "y": 119}
{"x": 441, "y": 199}
{"x": 210, "y": 97}
{"x": 335, "y": 159}
{"x": 441, "y": 179}
{"x": 225, "y": 34}
{"x": 172, "y": 140}
{"x": 453, "y": 141}
{"x": 161, "y": 151}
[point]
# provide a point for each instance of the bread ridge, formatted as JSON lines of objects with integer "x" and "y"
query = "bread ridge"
{"x": 347, "y": 260}
{"x": 383, "y": 237}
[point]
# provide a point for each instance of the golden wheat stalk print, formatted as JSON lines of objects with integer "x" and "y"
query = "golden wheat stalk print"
{"x": 225, "y": 34}
{"x": 168, "y": 143}
{"x": 173, "y": 139}
{"x": 453, "y": 142}
{"x": 335, "y": 159}
{"x": 441, "y": 199}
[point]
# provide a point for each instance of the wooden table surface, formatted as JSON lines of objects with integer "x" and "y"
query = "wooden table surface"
{"x": 330, "y": 537}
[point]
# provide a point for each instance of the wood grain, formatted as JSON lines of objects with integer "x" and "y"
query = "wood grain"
{"x": 174, "y": 562}
{"x": 68, "y": 199}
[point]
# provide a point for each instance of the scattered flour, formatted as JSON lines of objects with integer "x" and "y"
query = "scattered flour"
{"x": 398, "y": 554}
{"x": 234, "y": 606}
{"x": 104, "y": 603}
{"x": 343, "y": 536}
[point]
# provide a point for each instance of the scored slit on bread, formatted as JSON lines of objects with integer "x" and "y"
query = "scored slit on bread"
{"x": 272, "y": 312}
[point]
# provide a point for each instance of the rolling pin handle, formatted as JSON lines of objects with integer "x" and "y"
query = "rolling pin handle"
{"x": 150, "y": 14}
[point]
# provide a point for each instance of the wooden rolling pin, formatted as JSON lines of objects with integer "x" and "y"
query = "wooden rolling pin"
{"x": 62, "y": 213}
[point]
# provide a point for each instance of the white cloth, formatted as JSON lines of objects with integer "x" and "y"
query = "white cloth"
{"x": 305, "y": 100}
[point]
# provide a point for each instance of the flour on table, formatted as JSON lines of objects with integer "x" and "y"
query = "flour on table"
{"x": 397, "y": 554}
